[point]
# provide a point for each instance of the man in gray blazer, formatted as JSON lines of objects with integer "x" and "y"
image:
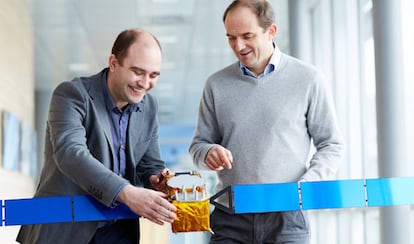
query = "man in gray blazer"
{"x": 102, "y": 140}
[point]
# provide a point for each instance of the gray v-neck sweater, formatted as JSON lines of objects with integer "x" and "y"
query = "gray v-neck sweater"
{"x": 268, "y": 123}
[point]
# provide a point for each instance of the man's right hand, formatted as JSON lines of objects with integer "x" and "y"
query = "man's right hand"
{"x": 149, "y": 204}
{"x": 218, "y": 158}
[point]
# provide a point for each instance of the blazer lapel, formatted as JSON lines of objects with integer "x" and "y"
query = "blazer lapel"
{"x": 97, "y": 95}
{"x": 134, "y": 131}
{"x": 134, "y": 128}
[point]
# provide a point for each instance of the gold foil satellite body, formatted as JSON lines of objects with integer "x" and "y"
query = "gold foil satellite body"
{"x": 188, "y": 193}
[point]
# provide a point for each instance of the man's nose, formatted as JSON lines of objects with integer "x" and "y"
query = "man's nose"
{"x": 239, "y": 44}
{"x": 145, "y": 81}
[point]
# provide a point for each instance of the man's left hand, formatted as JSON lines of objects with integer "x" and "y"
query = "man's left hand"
{"x": 159, "y": 181}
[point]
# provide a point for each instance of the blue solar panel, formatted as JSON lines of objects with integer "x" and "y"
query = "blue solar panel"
{"x": 390, "y": 191}
{"x": 87, "y": 208}
{"x": 333, "y": 194}
{"x": 257, "y": 198}
{"x": 1, "y": 213}
{"x": 249, "y": 198}
{"x": 38, "y": 210}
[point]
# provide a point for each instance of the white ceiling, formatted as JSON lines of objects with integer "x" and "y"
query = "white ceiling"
{"x": 74, "y": 37}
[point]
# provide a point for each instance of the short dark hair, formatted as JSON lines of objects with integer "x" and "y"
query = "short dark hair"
{"x": 262, "y": 9}
{"x": 124, "y": 40}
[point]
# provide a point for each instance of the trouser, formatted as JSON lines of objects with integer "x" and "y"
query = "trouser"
{"x": 259, "y": 228}
{"x": 111, "y": 234}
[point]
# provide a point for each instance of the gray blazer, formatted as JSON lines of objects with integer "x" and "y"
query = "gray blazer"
{"x": 79, "y": 156}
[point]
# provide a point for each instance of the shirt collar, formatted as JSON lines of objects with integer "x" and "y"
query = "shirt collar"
{"x": 270, "y": 67}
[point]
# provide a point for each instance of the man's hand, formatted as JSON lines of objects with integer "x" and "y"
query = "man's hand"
{"x": 218, "y": 158}
{"x": 159, "y": 181}
{"x": 148, "y": 203}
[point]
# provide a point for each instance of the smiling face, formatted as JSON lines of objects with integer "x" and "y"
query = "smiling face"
{"x": 130, "y": 79}
{"x": 252, "y": 45}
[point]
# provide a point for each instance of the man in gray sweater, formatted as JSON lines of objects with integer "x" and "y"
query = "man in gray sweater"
{"x": 257, "y": 120}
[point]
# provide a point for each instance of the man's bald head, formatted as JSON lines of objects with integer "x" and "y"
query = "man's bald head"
{"x": 128, "y": 37}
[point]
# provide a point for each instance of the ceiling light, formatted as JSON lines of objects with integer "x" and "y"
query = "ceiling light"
{"x": 78, "y": 67}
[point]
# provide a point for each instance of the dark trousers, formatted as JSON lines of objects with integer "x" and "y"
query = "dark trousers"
{"x": 259, "y": 228}
{"x": 111, "y": 234}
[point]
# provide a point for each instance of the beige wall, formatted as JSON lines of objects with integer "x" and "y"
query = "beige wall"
{"x": 16, "y": 91}
{"x": 16, "y": 62}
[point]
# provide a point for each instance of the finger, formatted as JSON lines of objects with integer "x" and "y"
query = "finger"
{"x": 165, "y": 214}
{"x": 161, "y": 176}
{"x": 161, "y": 204}
{"x": 212, "y": 164}
{"x": 230, "y": 158}
{"x": 155, "y": 220}
{"x": 212, "y": 159}
{"x": 154, "y": 179}
{"x": 224, "y": 159}
{"x": 157, "y": 217}
{"x": 169, "y": 207}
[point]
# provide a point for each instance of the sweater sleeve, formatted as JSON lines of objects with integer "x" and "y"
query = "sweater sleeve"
{"x": 324, "y": 131}
{"x": 206, "y": 134}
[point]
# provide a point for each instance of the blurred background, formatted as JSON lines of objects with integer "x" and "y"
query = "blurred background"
{"x": 364, "y": 47}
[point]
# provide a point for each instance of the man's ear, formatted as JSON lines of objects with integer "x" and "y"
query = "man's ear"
{"x": 112, "y": 61}
{"x": 272, "y": 31}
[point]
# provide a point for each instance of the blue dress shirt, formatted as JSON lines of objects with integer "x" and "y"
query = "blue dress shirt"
{"x": 118, "y": 120}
